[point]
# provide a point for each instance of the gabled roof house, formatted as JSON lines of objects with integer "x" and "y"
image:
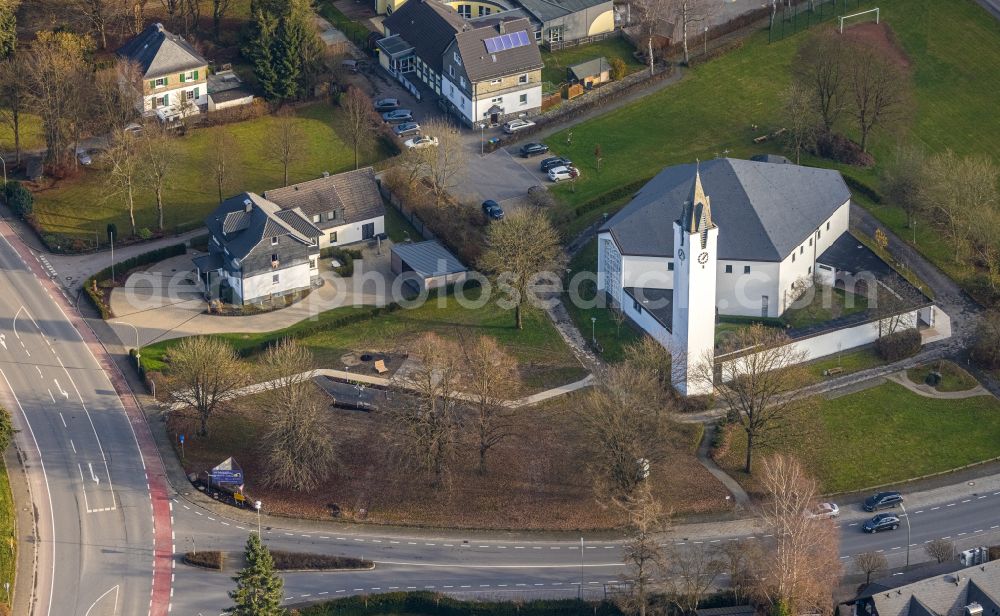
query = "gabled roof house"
{"x": 167, "y": 75}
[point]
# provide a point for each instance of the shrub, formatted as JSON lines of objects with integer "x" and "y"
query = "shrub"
{"x": 207, "y": 560}
{"x": 618, "y": 69}
{"x": 538, "y": 196}
{"x": 286, "y": 561}
{"x": 860, "y": 187}
{"x": 986, "y": 341}
{"x": 842, "y": 150}
{"x": 19, "y": 199}
{"x": 345, "y": 257}
{"x": 144, "y": 233}
{"x": 898, "y": 345}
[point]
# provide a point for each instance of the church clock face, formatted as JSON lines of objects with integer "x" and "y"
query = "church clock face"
{"x": 703, "y": 258}
{"x": 680, "y": 254}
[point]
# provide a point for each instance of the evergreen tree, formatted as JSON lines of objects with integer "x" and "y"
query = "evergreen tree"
{"x": 8, "y": 27}
{"x": 259, "y": 590}
{"x": 260, "y": 49}
{"x": 288, "y": 56}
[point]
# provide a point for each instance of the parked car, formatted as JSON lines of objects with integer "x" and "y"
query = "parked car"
{"x": 558, "y": 174}
{"x": 515, "y": 125}
{"x": 554, "y": 161}
{"x": 883, "y": 521}
{"x": 135, "y": 128}
{"x": 492, "y": 210}
{"x": 398, "y": 115}
{"x": 386, "y": 104}
{"x": 824, "y": 510}
{"x": 407, "y": 128}
{"x": 533, "y": 149}
{"x": 421, "y": 142}
{"x": 882, "y": 500}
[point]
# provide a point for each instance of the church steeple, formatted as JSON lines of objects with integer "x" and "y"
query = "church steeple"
{"x": 697, "y": 216}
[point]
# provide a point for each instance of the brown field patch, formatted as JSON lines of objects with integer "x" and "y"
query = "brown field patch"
{"x": 536, "y": 480}
{"x": 881, "y": 37}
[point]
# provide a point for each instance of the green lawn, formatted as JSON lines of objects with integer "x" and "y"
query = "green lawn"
{"x": 953, "y": 378}
{"x": 609, "y": 334}
{"x": 77, "y": 208}
{"x": 8, "y": 541}
{"x": 545, "y": 359}
{"x": 557, "y": 62}
{"x": 709, "y": 113}
{"x": 850, "y": 361}
{"x": 826, "y": 304}
{"x": 32, "y": 137}
{"x": 883, "y": 435}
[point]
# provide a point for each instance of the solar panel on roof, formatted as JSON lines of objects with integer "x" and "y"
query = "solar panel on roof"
{"x": 506, "y": 41}
{"x": 509, "y": 44}
{"x": 491, "y": 45}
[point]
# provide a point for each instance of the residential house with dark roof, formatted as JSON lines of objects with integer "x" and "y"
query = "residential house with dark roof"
{"x": 166, "y": 75}
{"x": 973, "y": 591}
{"x": 346, "y": 207}
{"x": 486, "y": 72}
{"x": 258, "y": 251}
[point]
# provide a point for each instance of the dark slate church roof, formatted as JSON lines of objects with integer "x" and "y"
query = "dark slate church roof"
{"x": 763, "y": 210}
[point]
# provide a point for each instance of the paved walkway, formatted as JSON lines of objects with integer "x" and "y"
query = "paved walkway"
{"x": 739, "y": 494}
{"x": 929, "y": 392}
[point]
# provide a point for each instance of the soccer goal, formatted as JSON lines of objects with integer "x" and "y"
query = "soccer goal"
{"x": 868, "y": 12}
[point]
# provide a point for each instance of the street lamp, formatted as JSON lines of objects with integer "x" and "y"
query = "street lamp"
{"x": 593, "y": 330}
{"x": 482, "y": 138}
{"x": 907, "y": 516}
{"x": 136, "y": 340}
{"x": 4, "y": 170}
{"x": 257, "y": 505}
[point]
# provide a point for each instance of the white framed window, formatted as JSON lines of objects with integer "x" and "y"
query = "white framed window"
{"x": 538, "y": 35}
{"x": 333, "y": 237}
{"x": 555, "y": 34}
{"x": 274, "y": 240}
{"x": 495, "y": 81}
{"x": 275, "y": 278}
{"x": 522, "y": 78}
{"x": 451, "y": 70}
{"x": 331, "y": 215}
{"x": 160, "y": 82}
{"x": 461, "y": 81}
{"x": 315, "y": 218}
{"x": 484, "y": 10}
{"x": 496, "y": 101}
{"x": 458, "y": 58}
{"x": 312, "y": 263}
{"x": 465, "y": 10}
{"x": 523, "y": 100}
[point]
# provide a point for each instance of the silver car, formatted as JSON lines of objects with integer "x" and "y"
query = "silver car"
{"x": 407, "y": 128}
{"x": 398, "y": 115}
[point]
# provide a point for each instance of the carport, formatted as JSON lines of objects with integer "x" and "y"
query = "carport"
{"x": 427, "y": 265}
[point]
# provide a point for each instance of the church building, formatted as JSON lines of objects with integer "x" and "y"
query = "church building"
{"x": 724, "y": 237}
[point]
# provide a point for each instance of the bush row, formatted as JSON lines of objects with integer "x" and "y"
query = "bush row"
{"x": 207, "y": 560}
{"x": 439, "y": 605}
{"x": 18, "y": 198}
{"x": 858, "y": 186}
{"x": 898, "y": 345}
{"x": 288, "y": 561}
{"x": 102, "y": 278}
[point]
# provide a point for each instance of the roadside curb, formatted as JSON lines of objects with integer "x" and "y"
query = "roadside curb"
{"x": 23, "y": 584}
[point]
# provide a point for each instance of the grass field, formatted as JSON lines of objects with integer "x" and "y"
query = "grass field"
{"x": 557, "y": 62}
{"x": 710, "y": 112}
{"x": 32, "y": 137}
{"x": 82, "y": 206}
{"x": 953, "y": 378}
{"x": 883, "y": 435}
{"x": 8, "y": 544}
{"x": 545, "y": 359}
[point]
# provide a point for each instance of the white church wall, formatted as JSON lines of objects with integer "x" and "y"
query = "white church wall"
{"x": 740, "y": 294}
{"x": 649, "y": 272}
{"x": 645, "y": 321}
{"x": 801, "y": 263}
{"x": 834, "y": 341}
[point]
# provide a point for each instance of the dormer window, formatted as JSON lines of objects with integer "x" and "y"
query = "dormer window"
{"x": 522, "y": 78}
{"x": 458, "y": 58}
{"x": 331, "y": 215}
{"x": 274, "y": 240}
{"x": 315, "y": 218}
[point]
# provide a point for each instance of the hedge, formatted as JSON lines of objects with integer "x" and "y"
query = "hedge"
{"x": 206, "y": 560}
{"x": 439, "y": 605}
{"x": 19, "y": 199}
{"x": 860, "y": 187}
{"x": 345, "y": 256}
{"x": 898, "y": 345}
{"x": 304, "y": 561}
{"x": 122, "y": 267}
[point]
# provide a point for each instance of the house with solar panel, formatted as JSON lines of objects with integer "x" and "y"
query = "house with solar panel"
{"x": 745, "y": 240}
{"x": 484, "y": 72}
{"x": 168, "y": 76}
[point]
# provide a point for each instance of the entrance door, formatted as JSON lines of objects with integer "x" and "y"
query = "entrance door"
{"x": 763, "y": 306}
{"x": 368, "y": 231}
{"x": 494, "y": 118}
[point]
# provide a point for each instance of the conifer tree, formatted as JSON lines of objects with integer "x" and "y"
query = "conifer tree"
{"x": 259, "y": 590}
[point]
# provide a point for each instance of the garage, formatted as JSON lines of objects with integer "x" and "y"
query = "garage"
{"x": 427, "y": 265}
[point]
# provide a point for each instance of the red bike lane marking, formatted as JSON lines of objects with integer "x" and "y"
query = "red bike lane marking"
{"x": 159, "y": 603}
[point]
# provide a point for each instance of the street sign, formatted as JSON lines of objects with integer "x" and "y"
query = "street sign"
{"x": 227, "y": 476}
{"x": 181, "y": 437}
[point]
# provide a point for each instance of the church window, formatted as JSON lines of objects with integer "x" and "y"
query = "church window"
{"x": 802, "y": 249}
{"x": 810, "y": 269}
{"x": 828, "y": 225}
{"x": 670, "y": 266}
{"x": 793, "y": 257}
{"x": 810, "y": 241}
{"x": 819, "y": 234}
{"x": 729, "y": 269}
{"x": 746, "y": 269}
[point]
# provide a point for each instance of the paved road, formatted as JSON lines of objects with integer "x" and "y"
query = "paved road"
{"x": 87, "y": 477}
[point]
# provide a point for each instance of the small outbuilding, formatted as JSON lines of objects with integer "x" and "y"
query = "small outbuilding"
{"x": 590, "y": 73}
{"x": 427, "y": 265}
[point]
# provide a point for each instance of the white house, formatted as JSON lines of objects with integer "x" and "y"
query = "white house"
{"x": 166, "y": 74}
{"x": 726, "y": 237}
{"x": 346, "y": 207}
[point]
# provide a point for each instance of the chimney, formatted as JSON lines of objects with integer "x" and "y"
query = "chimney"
{"x": 247, "y": 205}
{"x": 500, "y": 27}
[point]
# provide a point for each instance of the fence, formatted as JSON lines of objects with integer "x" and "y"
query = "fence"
{"x": 557, "y": 45}
{"x": 406, "y": 212}
{"x": 790, "y": 18}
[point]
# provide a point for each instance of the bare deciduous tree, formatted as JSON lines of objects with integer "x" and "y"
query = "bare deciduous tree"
{"x": 285, "y": 143}
{"x": 12, "y": 101}
{"x": 426, "y": 419}
{"x": 517, "y": 252}
{"x": 940, "y": 550}
{"x": 801, "y": 119}
{"x": 757, "y": 385}
{"x": 820, "y": 66}
{"x": 692, "y": 14}
{"x": 124, "y": 169}
{"x": 219, "y": 8}
{"x": 653, "y": 15}
{"x": 803, "y": 566}
{"x": 361, "y": 120}
{"x": 694, "y": 568}
{"x": 112, "y": 106}
{"x": 493, "y": 380}
{"x": 624, "y": 430}
{"x": 224, "y": 156}
{"x": 103, "y": 15}
{"x": 870, "y": 563}
{"x": 879, "y": 90}
{"x": 956, "y": 189}
{"x": 647, "y": 354}
{"x": 204, "y": 373}
{"x": 444, "y": 164}
{"x": 741, "y": 560}
{"x": 297, "y": 446}
{"x": 644, "y": 558}
{"x": 902, "y": 180}
{"x": 159, "y": 154}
